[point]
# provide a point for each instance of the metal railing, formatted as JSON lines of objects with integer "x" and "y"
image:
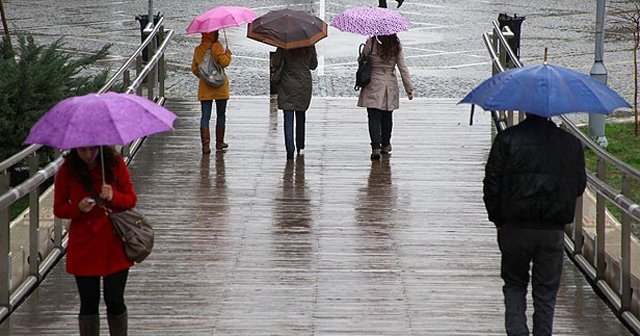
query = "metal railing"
{"x": 607, "y": 267}
{"x": 41, "y": 241}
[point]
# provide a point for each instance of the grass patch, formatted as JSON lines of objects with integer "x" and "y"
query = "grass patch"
{"x": 624, "y": 145}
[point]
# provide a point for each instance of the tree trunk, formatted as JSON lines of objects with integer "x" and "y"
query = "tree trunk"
{"x": 5, "y": 26}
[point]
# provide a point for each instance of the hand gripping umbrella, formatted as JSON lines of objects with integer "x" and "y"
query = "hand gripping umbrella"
{"x": 99, "y": 119}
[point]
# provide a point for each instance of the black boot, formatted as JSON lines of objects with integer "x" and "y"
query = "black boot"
{"x": 382, "y": 3}
{"x": 89, "y": 325}
{"x": 400, "y": 3}
{"x": 118, "y": 324}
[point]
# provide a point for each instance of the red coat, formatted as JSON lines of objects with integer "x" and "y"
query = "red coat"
{"x": 94, "y": 249}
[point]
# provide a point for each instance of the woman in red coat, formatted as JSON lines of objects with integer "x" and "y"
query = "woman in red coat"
{"x": 94, "y": 250}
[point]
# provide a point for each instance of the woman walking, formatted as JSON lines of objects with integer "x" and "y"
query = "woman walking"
{"x": 294, "y": 92}
{"x": 94, "y": 251}
{"x": 208, "y": 94}
{"x": 381, "y": 96}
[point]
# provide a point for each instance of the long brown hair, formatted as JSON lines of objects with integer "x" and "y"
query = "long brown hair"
{"x": 81, "y": 171}
{"x": 389, "y": 47}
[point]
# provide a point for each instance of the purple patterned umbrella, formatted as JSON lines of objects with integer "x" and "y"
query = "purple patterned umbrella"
{"x": 99, "y": 119}
{"x": 370, "y": 21}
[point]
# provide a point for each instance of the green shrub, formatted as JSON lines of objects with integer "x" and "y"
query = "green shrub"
{"x": 34, "y": 79}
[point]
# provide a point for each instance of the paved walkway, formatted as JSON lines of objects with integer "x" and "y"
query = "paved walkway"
{"x": 327, "y": 244}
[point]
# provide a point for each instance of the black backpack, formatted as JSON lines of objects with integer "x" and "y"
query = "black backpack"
{"x": 363, "y": 75}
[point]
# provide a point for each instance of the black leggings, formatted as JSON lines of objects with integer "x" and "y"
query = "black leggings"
{"x": 89, "y": 289}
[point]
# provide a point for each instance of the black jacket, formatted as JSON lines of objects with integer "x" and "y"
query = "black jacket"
{"x": 533, "y": 176}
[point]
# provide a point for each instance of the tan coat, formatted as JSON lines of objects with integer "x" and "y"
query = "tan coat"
{"x": 205, "y": 92}
{"x": 383, "y": 92}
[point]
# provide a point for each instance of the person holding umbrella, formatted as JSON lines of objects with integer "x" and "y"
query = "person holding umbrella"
{"x": 208, "y": 94}
{"x": 95, "y": 251}
{"x": 208, "y": 24}
{"x": 381, "y": 95}
{"x": 294, "y": 92}
{"x": 92, "y": 179}
{"x": 295, "y": 34}
{"x": 534, "y": 176}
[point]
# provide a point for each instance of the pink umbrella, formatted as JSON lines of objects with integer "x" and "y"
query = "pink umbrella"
{"x": 370, "y": 21}
{"x": 219, "y": 18}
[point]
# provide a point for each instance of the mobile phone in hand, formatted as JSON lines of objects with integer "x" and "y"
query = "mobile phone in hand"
{"x": 90, "y": 200}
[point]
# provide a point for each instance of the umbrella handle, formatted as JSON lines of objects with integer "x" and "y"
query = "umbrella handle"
{"x": 226, "y": 42}
{"x": 102, "y": 164}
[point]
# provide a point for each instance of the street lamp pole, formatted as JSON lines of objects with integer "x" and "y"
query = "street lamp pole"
{"x": 599, "y": 72}
{"x": 150, "y": 17}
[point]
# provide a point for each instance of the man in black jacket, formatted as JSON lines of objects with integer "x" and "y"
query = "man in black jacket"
{"x": 534, "y": 174}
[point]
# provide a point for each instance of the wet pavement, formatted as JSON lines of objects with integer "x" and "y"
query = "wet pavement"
{"x": 330, "y": 243}
{"x": 444, "y": 49}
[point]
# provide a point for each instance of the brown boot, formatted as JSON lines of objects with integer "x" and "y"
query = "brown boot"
{"x": 220, "y": 144}
{"x": 118, "y": 324}
{"x": 205, "y": 137}
{"x": 89, "y": 325}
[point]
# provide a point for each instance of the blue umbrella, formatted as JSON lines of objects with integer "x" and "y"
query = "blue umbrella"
{"x": 545, "y": 90}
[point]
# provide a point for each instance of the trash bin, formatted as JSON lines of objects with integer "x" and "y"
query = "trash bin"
{"x": 144, "y": 19}
{"x": 514, "y": 23}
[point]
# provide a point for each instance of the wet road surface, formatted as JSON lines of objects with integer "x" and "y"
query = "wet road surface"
{"x": 328, "y": 244}
{"x": 444, "y": 49}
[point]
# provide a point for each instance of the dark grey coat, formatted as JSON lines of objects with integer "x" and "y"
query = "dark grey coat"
{"x": 294, "y": 88}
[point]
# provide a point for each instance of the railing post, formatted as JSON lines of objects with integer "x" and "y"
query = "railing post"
{"x": 578, "y": 238}
{"x": 34, "y": 221}
{"x": 152, "y": 76}
{"x": 138, "y": 70}
{"x": 625, "y": 251}
{"x": 5, "y": 244}
{"x": 600, "y": 225}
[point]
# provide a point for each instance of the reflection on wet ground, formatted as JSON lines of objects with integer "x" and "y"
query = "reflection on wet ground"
{"x": 248, "y": 243}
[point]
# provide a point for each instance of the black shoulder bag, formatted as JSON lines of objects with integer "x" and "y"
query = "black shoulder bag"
{"x": 363, "y": 75}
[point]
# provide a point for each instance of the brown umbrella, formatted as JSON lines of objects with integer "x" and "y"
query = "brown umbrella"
{"x": 288, "y": 29}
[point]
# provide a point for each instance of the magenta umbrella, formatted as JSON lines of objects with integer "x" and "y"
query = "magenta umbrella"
{"x": 370, "y": 21}
{"x": 219, "y": 18}
{"x": 99, "y": 119}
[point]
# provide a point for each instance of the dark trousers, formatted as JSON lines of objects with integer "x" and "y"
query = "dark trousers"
{"x": 221, "y": 112}
{"x": 380, "y": 126}
{"x": 382, "y": 3}
{"x": 520, "y": 248}
{"x": 288, "y": 130}
{"x": 89, "y": 290}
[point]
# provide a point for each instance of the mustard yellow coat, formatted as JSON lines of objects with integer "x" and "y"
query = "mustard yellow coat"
{"x": 206, "y": 92}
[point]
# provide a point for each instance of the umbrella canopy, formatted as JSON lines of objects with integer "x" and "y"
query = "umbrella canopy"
{"x": 288, "y": 29}
{"x": 370, "y": 21}
{"x": 545, "y": 90}
{"x": 99, "y": 119}
{"x": 219, "y": 18}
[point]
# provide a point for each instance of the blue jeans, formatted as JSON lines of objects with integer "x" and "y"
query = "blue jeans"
{"x": 544, "y": 249}
{"x": 288, "y": 130}
{"x": 380, "y": 126}
{"x": 221, "y": 109}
